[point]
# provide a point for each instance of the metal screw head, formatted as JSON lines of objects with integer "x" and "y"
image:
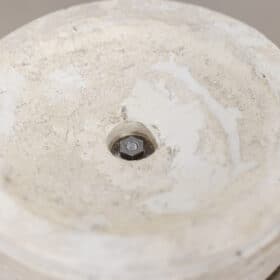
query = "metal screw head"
{"x": 132, "y": 148}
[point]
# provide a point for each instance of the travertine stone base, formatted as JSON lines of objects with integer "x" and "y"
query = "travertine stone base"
{"x": 205, "y": 205}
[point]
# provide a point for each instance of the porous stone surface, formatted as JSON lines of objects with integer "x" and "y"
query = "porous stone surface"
{"x": 205, "y": 205}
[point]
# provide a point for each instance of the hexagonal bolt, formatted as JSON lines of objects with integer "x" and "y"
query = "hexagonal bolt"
{"x": 132, "y": 148}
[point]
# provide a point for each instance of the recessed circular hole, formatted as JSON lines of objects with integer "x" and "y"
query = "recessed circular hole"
{"x": 131, "y": 141}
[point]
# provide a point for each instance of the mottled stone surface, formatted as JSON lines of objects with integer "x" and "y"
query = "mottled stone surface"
{"x": 203, "y": 206}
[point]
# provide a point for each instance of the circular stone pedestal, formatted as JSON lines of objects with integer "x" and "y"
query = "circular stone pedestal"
{"x": 200, "y": 90}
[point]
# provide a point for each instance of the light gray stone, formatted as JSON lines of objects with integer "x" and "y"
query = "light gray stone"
{"x": 205, "y": 205}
